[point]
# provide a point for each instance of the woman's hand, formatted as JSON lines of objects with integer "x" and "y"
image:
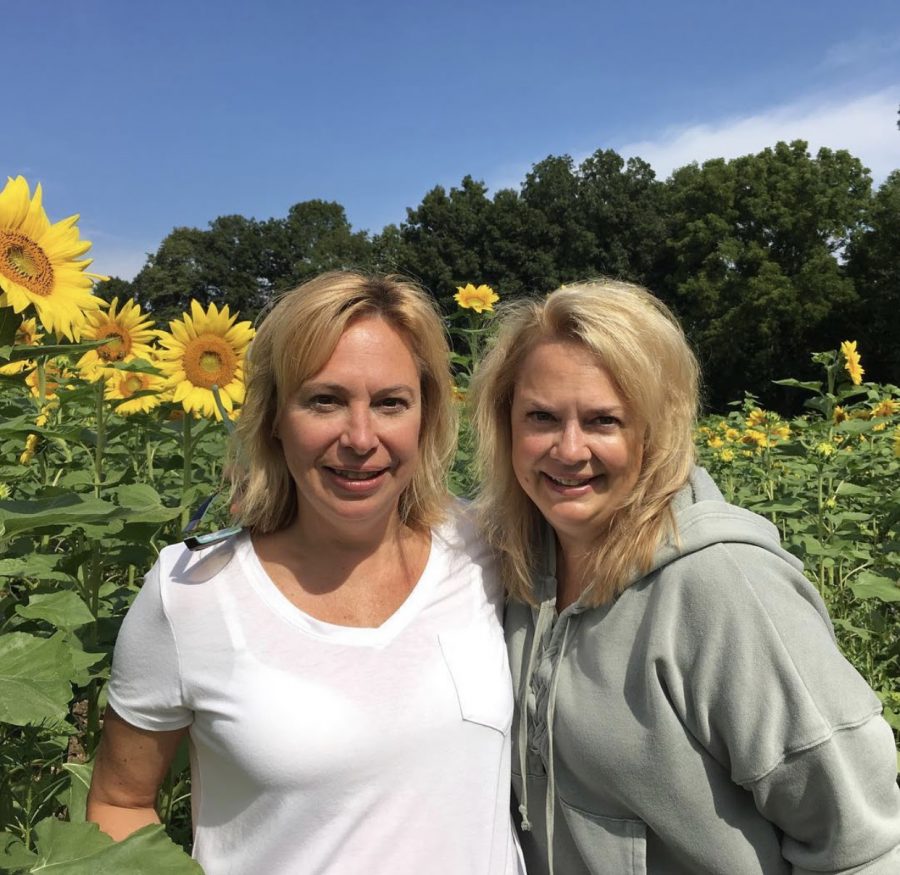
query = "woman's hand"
{"x": 128, "y": 771}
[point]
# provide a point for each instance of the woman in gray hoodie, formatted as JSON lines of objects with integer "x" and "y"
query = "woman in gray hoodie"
{"x": 682, "y": 705}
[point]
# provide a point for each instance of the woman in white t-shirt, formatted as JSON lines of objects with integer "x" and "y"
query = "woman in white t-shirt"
{"x": 339, "y": 665}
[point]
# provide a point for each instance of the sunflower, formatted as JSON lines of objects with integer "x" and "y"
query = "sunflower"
{"x": 205, "y": 349}
{"x": 756, "y": 418}
{"x": 26, "y": 335}
{"x": 121, "y": 386}
{"x": 129, "y": 334}
{"x": 885, "y": 407}
{"x": 852, "y": 362}
{"x": 477, "y": 298}
{"x": 55, "y": 372}
{"x": 38, "y": 262}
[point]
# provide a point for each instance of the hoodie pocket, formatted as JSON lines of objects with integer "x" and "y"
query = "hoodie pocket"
{"x": 607, "y": 844}
{"x": 479, "y": 668}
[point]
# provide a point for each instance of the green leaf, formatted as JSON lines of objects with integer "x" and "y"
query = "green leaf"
{"x": 847, "y": 626}
{"x": 142, "y": 503}
{"x": 64, "y": 609}
{"x": 852, "y": 489}
{"x": 854, "y": 426}
{"x": 79, "y": 784}
{"x": 35, "y": 679}
{"x": 82, "y": 660}
{"x": 82, "y": 849}
{"x": 18, "y": 353}
{"x": 869, "y": 585}
{"x": 14, "y": 856}
{"x": 811, "y": 385}
{"x": 68, "y": 509}
{"x": 36, "y": 566}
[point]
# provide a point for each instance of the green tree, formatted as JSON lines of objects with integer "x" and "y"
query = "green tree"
{"x": 442, "y": 240}
{"x": 874, "y": 264}
{"x": 752, "y": 264}
{"x": 314, "y": 237}
{"x": 243, "y": 262}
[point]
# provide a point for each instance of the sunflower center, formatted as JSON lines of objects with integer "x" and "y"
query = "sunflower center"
{"x": 209, "y": 361}
{"x": 131, "y": 384}
{"x": 25, "y": 263}
{"x": 119, "y": 344}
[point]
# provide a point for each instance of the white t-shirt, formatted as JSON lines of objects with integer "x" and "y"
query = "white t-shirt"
{"x": 318, "y": 748}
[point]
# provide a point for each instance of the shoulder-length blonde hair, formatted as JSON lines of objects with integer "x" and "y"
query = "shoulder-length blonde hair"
{"x": 293, "y": 343}
{"x": 639, "y": 342}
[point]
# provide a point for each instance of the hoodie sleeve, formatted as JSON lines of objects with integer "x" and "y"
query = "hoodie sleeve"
{"x": 764, "y": 688}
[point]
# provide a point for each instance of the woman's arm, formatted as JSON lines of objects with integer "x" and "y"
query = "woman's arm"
{"x": 130, "y": 766}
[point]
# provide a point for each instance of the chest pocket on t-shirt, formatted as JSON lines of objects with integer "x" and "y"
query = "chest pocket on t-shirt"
{"x": 479, "y": 668}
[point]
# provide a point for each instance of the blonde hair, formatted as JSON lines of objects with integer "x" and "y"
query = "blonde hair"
{"x": 293, "y": 343}
{"x": 639, "y": 342}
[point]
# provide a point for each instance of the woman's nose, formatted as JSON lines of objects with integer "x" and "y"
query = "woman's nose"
{"x": 359, "y": 432}
{"x": 571, "y": 446}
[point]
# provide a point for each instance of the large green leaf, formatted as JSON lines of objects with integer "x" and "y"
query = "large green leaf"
{"x": 869, "y": 585}
{"x": 82, "y": 849}
{"x": 67, "y": 509}
{"x": 35, "y": 679}
{"x": 64, "y": 609}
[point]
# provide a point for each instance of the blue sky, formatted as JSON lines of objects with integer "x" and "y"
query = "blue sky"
{"x": 144, "y": 116}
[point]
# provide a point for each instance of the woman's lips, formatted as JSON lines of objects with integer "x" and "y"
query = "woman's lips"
{"x": 356, "y": 480}
{"x": 570, "y": 485}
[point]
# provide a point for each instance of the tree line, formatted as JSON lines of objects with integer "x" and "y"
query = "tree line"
{"x": 765, "y": 258}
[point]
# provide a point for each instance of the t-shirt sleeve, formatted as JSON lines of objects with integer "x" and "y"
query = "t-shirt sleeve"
{"x": 145, "y": 686}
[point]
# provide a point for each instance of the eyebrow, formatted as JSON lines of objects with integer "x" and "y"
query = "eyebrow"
{"x": 601, "y": 410}
{"x": 337, "y": 388}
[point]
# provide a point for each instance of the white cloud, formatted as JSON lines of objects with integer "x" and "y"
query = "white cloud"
{"x": 866, "y": 126}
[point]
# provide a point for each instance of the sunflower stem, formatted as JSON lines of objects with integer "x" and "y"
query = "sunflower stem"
{"x": 186, "y": 471}
{"x": 101, "y": 439}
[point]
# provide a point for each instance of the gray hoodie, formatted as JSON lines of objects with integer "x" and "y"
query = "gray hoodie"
{"x": 704, "y": 722}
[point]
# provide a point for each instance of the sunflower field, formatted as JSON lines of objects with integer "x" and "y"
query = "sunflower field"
{"x": 113, "y": 437}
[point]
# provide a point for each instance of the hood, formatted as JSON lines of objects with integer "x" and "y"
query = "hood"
{"x": 704, "y": 518}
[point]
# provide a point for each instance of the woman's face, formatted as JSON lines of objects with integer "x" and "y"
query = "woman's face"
{"x": 350, "y": 433}
{"x": 576, "y": 446}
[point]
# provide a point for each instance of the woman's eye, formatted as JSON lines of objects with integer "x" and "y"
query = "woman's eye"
{"x": 541, "y": 416}
{"x": 322, "y": 402}
{"x": 393, "y": 404}
{"x": 606, "y": 421}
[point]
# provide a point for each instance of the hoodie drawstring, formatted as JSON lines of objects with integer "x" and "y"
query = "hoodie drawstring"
{"x": 544, "y": 618}
{"x": 550, "y": 799}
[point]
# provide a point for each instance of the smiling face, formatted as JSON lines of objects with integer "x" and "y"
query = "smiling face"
{"x": 576, "y": 446}
{"x": 350, "y": 433}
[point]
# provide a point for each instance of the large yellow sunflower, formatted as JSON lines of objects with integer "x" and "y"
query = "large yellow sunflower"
{"x": 121, "y": 386}
{"x": 205, "y": 349}
{"x": 129, "y": 334}
{"x": 38, "y": 262}
{"x": 26, "y": 335}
